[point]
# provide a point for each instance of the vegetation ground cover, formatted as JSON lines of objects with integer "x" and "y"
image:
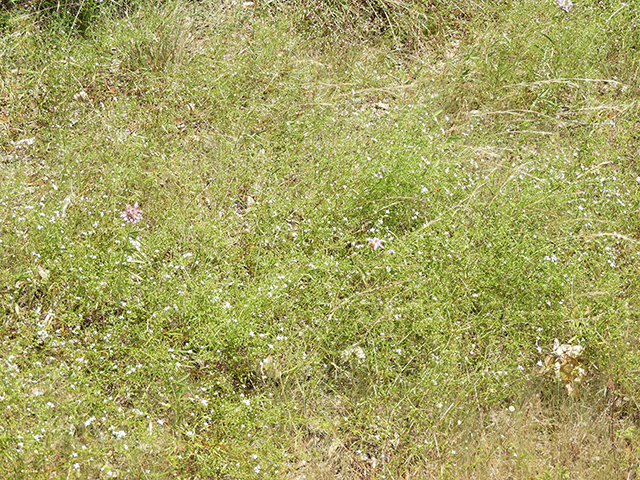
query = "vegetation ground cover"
{"x": 190, "y": 195}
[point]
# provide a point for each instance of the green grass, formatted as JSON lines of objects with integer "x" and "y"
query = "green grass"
{"x": 244, "y": 328}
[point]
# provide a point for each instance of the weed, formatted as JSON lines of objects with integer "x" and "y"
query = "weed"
{"x": 320, "y": 239}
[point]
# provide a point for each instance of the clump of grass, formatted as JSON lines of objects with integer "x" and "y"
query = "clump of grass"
{"x": 407, "y": 25}
{"x": 155, "y": 38}
{"x": 68, "y": 16}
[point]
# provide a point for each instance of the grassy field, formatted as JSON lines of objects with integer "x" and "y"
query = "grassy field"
{"x": 320, "y": 239}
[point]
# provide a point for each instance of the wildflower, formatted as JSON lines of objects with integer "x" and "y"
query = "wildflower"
{"x": 132, "y": 213}
{"x": 565, "y": 5}
{"x": 353, "y": 353}
{"x": 375, "y": 243}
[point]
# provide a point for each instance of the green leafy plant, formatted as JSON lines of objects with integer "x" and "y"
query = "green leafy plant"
{"x": 321, "y": 239}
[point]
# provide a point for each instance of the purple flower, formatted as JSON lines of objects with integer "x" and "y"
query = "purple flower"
{"x": 375, "y": 243}
{"x": 132, "y": 213}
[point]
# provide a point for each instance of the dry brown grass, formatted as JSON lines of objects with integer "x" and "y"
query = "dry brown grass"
{"x": 544, "y": 437}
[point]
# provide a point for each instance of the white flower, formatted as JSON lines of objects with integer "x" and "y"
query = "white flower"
{"x": 353, "y": 353}
{"x": 565, "y": 5}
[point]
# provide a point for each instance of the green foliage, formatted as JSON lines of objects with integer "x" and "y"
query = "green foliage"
{"x": 407, "y": 24}
{"x": 66, "y": 16}
{"x": 240, "y": 324}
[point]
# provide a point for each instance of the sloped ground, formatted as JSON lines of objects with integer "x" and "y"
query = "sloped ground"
{"x": 235, "y": 321}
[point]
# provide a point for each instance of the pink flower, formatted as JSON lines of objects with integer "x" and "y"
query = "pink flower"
{"x": 375, "y": 243}
{"x": 565, "y": 5}
{"x": 132, "y": 213}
